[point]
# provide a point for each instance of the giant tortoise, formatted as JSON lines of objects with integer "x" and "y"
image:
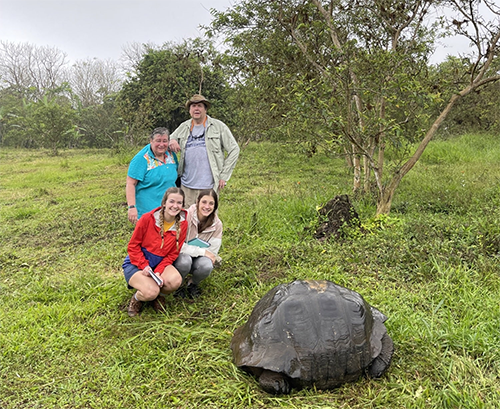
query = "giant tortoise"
{"x": 312, "y": 334}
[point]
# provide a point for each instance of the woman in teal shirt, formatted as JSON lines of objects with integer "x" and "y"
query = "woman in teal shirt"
{"x": 151, "y": 172}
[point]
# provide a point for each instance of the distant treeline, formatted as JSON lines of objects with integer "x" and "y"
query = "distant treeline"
{"x": 340, "y": 79}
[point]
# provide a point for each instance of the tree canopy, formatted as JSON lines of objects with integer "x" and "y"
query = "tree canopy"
{"x": 164, "y": 79}
{"x": 352, "y": 77}
{"x": 355, "y": 75}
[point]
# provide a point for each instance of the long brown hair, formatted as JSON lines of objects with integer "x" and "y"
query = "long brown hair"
{"x": 171, "y": 190}
{"x": 210, "y": 219}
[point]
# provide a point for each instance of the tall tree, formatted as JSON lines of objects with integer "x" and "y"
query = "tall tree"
{"x": 360, "y": 69}
{"x": 92, "y": 80}
{"x": 29, "y": 70}
{"x": 53, "y": 123}
{"x": 95, "y": 85}
{"x": 133, "y": 53}
{"x": 157, "y": 89}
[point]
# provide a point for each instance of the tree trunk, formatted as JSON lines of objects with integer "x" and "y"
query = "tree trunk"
{"x": 384, "y": 201}
{"x": 348, "y": 158}
{"x": 367, "y": 172}
{"x": 357, "y": 171}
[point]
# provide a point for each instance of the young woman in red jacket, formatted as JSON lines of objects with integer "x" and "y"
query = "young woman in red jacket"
{"x": 155, "y": 244}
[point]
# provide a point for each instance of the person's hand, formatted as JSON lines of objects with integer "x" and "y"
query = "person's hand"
{"x": 148, "y": 271}
{"x": 132, "y": 215}
{"x": 210, "y": 255}
{"x": 222, "y": 184}
{"x": 174, "y": 146}
{"x": 160, "y": 280}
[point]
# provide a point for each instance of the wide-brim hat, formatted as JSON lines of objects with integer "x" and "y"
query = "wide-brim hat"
{"x": 197, "y": 98}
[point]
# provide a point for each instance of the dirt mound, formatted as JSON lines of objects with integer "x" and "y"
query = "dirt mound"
{"x": 339, "y": 213}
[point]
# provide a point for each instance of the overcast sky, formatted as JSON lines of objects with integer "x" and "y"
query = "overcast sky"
{"x": 100, "y": 28}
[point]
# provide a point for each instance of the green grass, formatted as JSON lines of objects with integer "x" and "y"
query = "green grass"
{"x": 432, "y": 267}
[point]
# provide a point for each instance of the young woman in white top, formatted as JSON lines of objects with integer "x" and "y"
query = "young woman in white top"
{"x": 199, "y": 253}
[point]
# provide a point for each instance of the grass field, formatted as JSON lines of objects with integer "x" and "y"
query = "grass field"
{"x": 432, "y": 267}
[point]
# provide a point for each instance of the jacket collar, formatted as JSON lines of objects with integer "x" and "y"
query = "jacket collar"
{"x": 156, "y": 215}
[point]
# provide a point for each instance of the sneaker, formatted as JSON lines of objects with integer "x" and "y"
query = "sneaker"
{"x": 193, "y": 290}
{"x": 180, "y": 292}
{"x": 134, "y": 307}
{"x": 159, "y": 304}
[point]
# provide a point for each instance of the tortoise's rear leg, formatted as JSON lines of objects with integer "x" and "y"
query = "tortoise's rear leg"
{"x": 381, "y": 363}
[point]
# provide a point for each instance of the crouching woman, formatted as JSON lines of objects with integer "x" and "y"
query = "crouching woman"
{"x": 155, "y": 244}
{"x": 200, "y": 251}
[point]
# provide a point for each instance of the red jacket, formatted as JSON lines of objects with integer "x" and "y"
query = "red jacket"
{"x": 145, "y": 246}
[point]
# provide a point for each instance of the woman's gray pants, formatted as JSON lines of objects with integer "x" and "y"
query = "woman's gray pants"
{"x": 199, "y": 267}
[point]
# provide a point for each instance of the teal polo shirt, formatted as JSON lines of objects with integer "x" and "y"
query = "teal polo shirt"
{"x": 154, "y": 178}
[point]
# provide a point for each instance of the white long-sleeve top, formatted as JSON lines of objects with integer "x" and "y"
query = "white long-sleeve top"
{"x": 212, "y": 235}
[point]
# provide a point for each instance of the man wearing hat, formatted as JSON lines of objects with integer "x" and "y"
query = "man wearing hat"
{"x": 203, "y": 141}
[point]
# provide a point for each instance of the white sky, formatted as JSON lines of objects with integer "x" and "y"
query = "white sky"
{"x": 101, "y": 28}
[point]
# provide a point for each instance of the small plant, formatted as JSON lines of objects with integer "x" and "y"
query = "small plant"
{"x": 380, "y": 222}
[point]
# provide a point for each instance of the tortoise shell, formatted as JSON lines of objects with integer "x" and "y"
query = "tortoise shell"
{"x": 313, "y": 333}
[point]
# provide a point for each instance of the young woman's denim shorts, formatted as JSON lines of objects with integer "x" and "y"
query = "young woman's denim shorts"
{"x": 128, "y": 271}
